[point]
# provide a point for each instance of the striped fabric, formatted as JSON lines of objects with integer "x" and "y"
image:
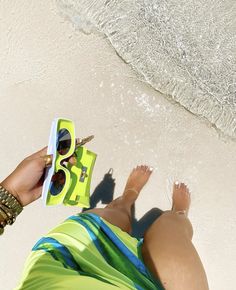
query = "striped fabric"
{"x": 87, "y": 252}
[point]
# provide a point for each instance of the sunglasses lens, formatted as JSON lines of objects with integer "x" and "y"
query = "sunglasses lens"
{"x": 57, "y": 182}
{"x": 63, "y": 141}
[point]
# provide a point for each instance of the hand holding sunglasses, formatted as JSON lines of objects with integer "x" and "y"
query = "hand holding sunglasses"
{"x": 65, "y": 182}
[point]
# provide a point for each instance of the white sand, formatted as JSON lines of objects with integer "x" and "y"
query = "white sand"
{"x": 49, "y": 70}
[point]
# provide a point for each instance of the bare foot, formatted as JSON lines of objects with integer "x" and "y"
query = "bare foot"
{"x": 181, "y": 198}
{"x": 136, "y": 181}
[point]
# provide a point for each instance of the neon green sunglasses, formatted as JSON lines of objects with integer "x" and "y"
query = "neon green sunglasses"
{"x": 65, "y": 182}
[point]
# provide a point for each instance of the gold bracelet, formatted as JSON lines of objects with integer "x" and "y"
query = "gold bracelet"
{"x": 10, "y": 208}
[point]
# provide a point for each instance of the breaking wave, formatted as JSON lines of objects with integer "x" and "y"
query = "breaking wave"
{"x": 184, "y": 49}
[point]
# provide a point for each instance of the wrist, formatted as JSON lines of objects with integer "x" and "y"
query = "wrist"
{"x": 5, "y": 184}
{"x": 10, "y": 208}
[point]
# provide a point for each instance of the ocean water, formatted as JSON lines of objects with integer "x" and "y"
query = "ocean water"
{"x": 184, "y": 49}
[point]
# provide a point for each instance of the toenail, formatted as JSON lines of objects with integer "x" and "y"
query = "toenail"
{"x": 151, "y": 168}
{"x": 176, "y": 183}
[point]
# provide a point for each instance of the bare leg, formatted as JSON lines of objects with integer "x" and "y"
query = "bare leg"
{"x": 168, "y": 250}
{"x": 118, "y": 212}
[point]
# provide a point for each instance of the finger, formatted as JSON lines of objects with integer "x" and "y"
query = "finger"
{"x": 73, "y": 160}
{"x": 41, "y": 161}
{"x": 39, "y": 153}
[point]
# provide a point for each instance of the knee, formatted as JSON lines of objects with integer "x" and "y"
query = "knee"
{"x": 179, "y": 220}
{"x": 172, "y": 222}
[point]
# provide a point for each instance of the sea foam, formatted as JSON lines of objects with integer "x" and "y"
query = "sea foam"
{"x": 184, "y": 49}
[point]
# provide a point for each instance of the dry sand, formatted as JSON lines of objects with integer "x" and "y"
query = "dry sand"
{"x": 49, "y": 70}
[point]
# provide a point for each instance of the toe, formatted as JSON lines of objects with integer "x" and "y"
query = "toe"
{"x": 143, "y": 167}
{"x": 176, "y": 186}
{"x": 136, "y": 168}
{"x": 182, "y": 187}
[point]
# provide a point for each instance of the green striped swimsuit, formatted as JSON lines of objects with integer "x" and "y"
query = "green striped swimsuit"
{"x": 87, "y": 252}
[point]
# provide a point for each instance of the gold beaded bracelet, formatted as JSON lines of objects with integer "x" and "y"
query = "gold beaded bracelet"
{"x": 10, "y": 208}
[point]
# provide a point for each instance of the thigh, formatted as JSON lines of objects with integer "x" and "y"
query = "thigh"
{"x": 170, "y": 255}
{"x": 114, "y": 216}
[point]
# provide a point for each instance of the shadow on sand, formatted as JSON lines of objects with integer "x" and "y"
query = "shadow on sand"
{"x": 104, "y": 192}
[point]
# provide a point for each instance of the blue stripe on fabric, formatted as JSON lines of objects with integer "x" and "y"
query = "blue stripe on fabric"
{"x": 125, "y": 250}
{"x": 69, "y": 259}
{"x": 120, "y": 245}
{"x": 138, "y": 287}
{"x": 67, "y": 256}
